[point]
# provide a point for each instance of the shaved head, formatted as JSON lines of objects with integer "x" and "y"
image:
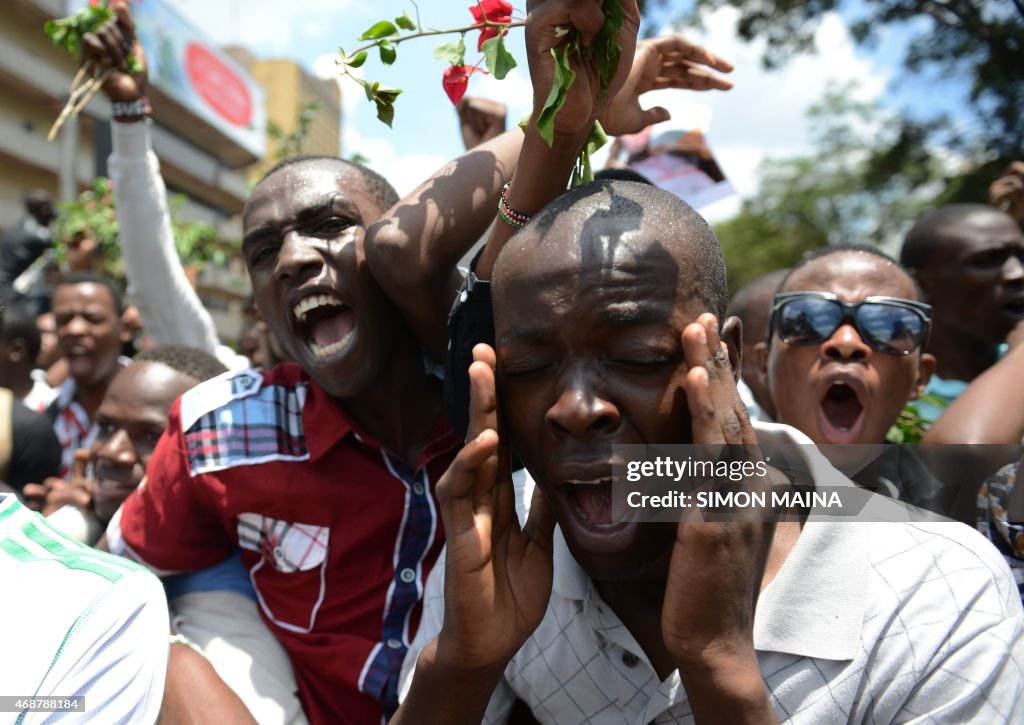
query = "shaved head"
{"x": 609, "y": 225}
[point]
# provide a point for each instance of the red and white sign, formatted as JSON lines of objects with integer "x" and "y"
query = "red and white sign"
{"x": 218, "y": 85}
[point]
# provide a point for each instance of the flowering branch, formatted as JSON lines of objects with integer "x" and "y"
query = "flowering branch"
{"x": 68, "y": 33}
{"x": 493, "y": 19}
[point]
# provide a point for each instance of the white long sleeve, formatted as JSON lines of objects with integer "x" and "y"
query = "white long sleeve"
{"x": 171, "y": 310}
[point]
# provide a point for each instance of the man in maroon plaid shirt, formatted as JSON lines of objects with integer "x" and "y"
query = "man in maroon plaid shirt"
{"x": 322, "y": 471}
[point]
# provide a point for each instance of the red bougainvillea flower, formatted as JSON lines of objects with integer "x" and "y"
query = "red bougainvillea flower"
{"x": 456, "y": 80}
{"x": 495, "y": 11}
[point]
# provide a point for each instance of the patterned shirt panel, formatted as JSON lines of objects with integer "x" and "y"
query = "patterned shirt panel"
{"x": 994, "y": 520}
{"x": 71, "y": 424}
{"x": 337, "y": 533}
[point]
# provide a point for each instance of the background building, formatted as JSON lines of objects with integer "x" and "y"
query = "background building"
{"x": 209, "y": 124}
{"x": 290, "y": 90}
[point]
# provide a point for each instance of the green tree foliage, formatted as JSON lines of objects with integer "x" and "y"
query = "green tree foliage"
{"x": 846, "y": 192}
{"x": 979, "y": 41}
{"x": 92, "y": 215}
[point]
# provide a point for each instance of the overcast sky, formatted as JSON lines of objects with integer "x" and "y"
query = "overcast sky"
{"x": 764, "y": 115}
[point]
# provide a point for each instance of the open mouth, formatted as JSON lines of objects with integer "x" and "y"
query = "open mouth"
{"x": 79, "y": 359}
{"x": 841, "y": 413}
{"x": 113, "y": 489}
{"x": 591, "y": 501}
{"x": 325, "y": 323}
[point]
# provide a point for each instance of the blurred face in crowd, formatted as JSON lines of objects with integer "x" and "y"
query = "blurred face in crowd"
{"x": 257, "y": 343}
{"x": 304, "y": 231}
{"x": 842, "y": 390}
{"x": 589, "y": 315}
{"x": 39, "y": 206}
{"x": 49, "y": 349}
{"x": 976, "y": 279}
{"x": 89, "y": 331}
{"x": 130, "y": 421}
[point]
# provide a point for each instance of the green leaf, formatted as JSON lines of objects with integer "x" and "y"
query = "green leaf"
{"x": 371, "y": 90}
{"x": 357, "y": 61}
{"x": 66, "y": 33}
{"x": 563, "y": 80}
{"x": 387, "y": 53}
{"x": 499, "y": 60}
{"x": 454, "y": 53}
{"x": 405, "y": 22}
{"x": 379, "y": 30}
{"x": 596, "y": 140}
{"x": 583, "y": 172}
{"x": 385, "y": 112}
{"x": 605, "y": 49}
{"x": 388, "y": 95}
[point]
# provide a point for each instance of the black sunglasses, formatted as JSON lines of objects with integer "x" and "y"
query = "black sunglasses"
{"x": 888, "y": 324}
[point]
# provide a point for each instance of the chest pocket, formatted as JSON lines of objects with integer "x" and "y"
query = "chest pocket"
{"x": 289, "y": 577}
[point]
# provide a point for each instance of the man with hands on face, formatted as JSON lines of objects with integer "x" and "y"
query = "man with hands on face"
{"x": 603, "y": 337}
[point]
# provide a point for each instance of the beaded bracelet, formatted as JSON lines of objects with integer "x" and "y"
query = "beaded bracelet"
{"x": 515, "y": 219}
{"x": 129, "y": 109}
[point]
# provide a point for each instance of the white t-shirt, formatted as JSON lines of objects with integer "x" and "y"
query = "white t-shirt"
{"x": 866, "y": 621}
{"x": 41, "y": 394}
{"x": 78, "y": 622}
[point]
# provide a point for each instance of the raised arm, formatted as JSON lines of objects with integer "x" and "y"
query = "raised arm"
{"x": 171, "y": 309}
{"x": 414, "y": 250}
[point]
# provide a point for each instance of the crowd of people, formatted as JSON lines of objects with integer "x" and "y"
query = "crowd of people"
{"x": 396, "y": 505}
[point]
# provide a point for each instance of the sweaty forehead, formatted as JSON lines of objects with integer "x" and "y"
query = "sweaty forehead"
{"x": 852, "y": 276}
{"x": 307, "y": 184}
{"x": 83, "y": 293}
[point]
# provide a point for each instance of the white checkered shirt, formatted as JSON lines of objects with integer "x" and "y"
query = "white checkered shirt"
{"x": 866, "y": 622}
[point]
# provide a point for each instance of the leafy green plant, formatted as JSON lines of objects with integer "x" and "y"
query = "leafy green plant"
{"x": 68, "y": 33}
{"x": 93, "y": 215}
{"x": 911, "y": 426}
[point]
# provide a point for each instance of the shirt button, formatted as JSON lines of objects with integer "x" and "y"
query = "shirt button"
{"x": 407, "y": 575}
{"x": 278, "y": 553}
{"x": 394, "y": 644}
{"x": 417, "y": 488}
{"x": 629, "y": 659}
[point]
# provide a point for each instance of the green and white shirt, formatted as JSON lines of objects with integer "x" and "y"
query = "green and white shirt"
{"x": 77, "y": 622}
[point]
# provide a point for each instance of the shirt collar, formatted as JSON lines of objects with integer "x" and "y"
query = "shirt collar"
{"x": 326, "y": 422}
{"x": 67, "y": 390}
{"x": 815, "y": 605}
